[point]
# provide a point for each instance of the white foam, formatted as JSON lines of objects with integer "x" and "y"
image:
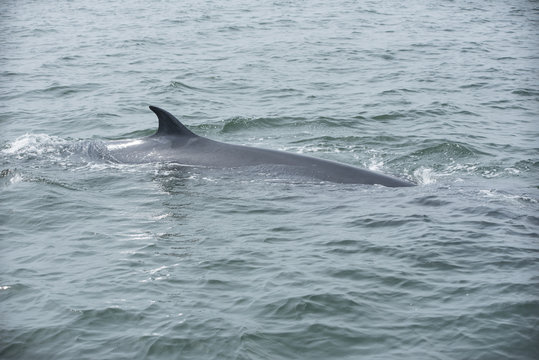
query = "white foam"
{"x": 34, "y": 144}
{"x": 425, "y": 175}
{"x": 375, "y": 164}
{"x": 497, "y": 195}
{"x": 17, "y": 178}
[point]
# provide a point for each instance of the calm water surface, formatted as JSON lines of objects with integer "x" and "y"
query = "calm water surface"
{"x": 110, "y": 261}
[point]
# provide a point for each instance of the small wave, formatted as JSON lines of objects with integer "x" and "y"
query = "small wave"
{"x": 430, "y": 200}
{"x": 327, "y": 145}
{"x": 476, "y": 85}
{"x": 281, "y": 93}
{"x": 504, "y": 196}
{"x": 64, "y": 90}
{"x": 329, "y": 139}
{"x": 448, "y": 149}
{"x": 183, "y": 86}
{"x": 70, "y": 58}
{"x": 441, "y": 160}
{"x": 397, "y": 91}
{"x": 432, "y": 110}
{"x": 526, "y": 92}
{"x": 340, "y": 123}
{"x": 55, "y": 90}
{"x": 389, "y": 116}
{"x": 241, "y": 123}
{"x": 159, "y": 273}
{"x": 323, "y": 303}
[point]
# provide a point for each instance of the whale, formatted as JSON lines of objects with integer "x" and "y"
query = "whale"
{"x": 174, "y": 143}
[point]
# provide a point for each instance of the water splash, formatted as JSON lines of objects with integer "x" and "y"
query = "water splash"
{"x": 425, "y": 176}
{"x": 34, "y": 145}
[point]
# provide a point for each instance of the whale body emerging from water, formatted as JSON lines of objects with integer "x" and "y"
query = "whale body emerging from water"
{"x": 175, "y": 143}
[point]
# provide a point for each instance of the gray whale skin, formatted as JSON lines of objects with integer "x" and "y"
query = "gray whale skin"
{"x": 174, "y": 143}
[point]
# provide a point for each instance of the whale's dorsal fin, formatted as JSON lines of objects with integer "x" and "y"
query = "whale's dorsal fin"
{"x": 169, "y": 125}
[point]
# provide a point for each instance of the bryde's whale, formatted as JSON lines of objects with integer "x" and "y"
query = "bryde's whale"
{"x": 175, "y": 143}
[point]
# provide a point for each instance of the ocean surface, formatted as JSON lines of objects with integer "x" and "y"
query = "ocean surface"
{"x": 101, "y": 260}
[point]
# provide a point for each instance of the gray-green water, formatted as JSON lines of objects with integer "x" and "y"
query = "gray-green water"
{"x": 107, "y": 261}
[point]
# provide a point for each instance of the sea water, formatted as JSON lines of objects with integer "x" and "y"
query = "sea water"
{"x": 100, "y": 260}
